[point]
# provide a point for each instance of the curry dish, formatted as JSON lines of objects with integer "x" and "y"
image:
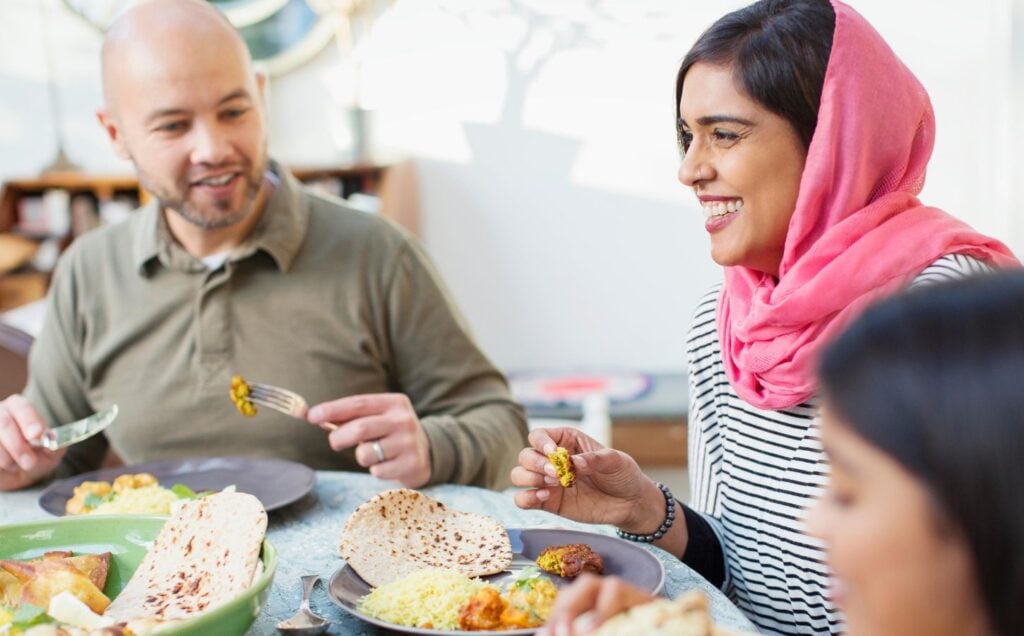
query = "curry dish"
{"x": 527, "y": 603}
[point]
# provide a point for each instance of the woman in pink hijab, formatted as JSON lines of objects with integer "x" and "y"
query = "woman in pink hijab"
{"x": 805, "y": 139}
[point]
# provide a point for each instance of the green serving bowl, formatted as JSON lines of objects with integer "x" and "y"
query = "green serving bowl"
{"x": 128, "y": 538}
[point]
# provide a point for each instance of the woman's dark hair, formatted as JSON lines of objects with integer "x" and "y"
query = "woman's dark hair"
{"x": 935, "y": 379}
{"x": 779, "y": 51}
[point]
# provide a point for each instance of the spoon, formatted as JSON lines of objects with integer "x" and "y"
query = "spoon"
{"x": 305, "y": 621}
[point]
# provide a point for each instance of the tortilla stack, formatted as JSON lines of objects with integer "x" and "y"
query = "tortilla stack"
{"x": 401, "y": 531}
{"x": 205, "y": 555}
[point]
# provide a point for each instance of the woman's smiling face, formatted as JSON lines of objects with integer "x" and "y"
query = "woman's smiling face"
{"x": 744, "y": 162}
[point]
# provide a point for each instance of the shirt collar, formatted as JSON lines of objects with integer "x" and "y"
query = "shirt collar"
{"x": 279, "y": 232}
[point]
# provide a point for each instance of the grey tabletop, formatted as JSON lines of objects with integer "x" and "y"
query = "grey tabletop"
{"x": 306, "y": 536}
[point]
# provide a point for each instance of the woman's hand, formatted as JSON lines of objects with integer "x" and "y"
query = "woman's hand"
{"x": 609, "y": 488}
{"x": 590, "y": 601}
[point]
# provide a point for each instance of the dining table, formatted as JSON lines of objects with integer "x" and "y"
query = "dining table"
{"x": 306, "y": 535}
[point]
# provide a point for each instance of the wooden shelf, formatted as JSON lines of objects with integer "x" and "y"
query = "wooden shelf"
{"x": 393, "y": 183}
{"x": 360, "y": 177}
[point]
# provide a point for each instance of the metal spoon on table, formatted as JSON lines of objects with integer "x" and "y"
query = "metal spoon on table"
{"x": 305, "y": 621}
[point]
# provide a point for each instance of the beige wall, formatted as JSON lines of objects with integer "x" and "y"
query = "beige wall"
{"x": 545, "y": 147}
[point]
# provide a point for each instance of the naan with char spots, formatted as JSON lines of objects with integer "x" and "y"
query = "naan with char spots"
{"x": 206, "y": 554}
{"x": 401, "y": 531}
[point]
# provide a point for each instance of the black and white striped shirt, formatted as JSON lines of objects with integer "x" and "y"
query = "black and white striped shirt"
{"x": 753, "y": 473}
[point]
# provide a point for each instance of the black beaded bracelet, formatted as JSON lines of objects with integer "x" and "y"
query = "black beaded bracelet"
{"x": 670, "y": 517}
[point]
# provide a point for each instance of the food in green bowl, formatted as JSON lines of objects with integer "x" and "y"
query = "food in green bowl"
{"x": 151, "y": 600}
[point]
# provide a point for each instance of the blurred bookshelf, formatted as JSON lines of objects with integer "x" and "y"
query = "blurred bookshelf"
{"x": 49, "y": 210}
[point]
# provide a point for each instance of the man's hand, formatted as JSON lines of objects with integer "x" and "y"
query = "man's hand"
{"x": 379, "y": 421}
{"x": 589, "y": 602}
{"x": 22, "y": 464}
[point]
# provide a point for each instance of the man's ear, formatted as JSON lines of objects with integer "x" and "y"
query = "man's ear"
{"x": 113, "y": 129}
{"x": 261, "y": 84}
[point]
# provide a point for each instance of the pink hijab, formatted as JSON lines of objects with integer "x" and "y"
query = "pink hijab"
{"x": 858, "y": 231}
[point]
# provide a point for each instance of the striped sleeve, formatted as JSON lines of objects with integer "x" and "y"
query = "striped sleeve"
{"x": 753, "y": 473}
{"x": 950, "y": 267}
{"x": 704, "y": 550}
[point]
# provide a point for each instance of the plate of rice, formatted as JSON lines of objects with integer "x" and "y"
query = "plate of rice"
{"x": 436, "y": 597}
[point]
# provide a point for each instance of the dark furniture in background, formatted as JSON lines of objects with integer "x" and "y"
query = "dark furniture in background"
{"x": 14, "y": 346}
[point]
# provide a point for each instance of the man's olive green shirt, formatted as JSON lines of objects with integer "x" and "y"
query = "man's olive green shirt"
{"x": 322, "y": 299}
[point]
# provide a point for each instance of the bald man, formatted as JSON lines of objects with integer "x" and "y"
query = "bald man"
{"x": 235, "y": 268}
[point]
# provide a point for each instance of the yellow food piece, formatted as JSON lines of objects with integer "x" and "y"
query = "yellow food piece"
{"x": 563, "y": 467}
{"x": 138, "y": 480}
{"x": 53, "y": 577}
{"x": 138, "y": 493}
{"x": 429, "y": 596}
{"x": 10, "y": 590}
{"x": 76, "y": 505}
{"x": 550, "y": 561}
{"x": 148, "y": 500}
{"x": 240, "y": 392}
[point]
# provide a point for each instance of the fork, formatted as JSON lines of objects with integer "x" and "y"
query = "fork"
{"x": 283, "y": 400}
{"x": 279, "y": 399}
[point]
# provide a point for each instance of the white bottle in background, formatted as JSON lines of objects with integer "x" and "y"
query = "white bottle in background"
{"x": 596, "y": 421}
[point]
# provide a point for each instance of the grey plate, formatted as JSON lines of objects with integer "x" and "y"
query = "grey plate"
{"x": 621, "y": 558}
{"x": 275, "y": 482}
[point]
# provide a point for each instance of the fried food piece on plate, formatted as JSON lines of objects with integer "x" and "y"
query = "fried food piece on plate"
{"x": 563, "y": 467}
{"x": 570, "y": 560}
{"x": 37, "y": 576}
{"x": 50, "y": 577}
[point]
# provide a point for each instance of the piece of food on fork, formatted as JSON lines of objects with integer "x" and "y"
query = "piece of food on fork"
{"x": 246, "y": 395}
{"x": 240, "y": 392}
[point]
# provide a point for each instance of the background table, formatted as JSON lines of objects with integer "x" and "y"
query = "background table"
{"x": 306, "y": 536}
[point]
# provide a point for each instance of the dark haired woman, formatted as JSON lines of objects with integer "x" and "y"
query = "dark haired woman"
{"x": 806, "y": 140}
{"x": 923, "y": 425}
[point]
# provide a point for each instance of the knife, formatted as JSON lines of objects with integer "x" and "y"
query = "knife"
{"x": 68, "y": 434}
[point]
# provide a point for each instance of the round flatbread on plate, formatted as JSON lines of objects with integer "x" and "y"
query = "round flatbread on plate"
{"x": 401, "y": 531}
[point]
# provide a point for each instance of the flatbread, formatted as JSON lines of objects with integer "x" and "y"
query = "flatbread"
{"x": 205, "y": 555}
{"x": 687, "y": 615}
{"x": 401, "y": 531}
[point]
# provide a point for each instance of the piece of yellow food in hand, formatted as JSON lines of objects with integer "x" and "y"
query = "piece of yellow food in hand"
{"x": 240, "y": 392}
{"x": 563, "y": 467}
